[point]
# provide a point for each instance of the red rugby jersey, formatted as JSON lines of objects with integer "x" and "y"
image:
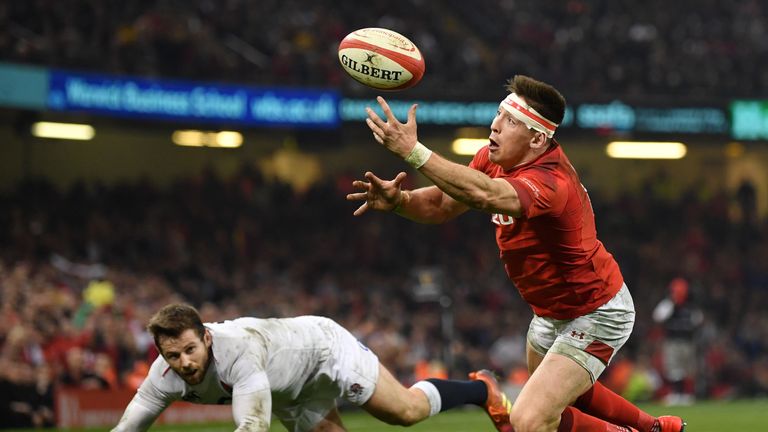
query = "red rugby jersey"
{"x": 552, "y": 253}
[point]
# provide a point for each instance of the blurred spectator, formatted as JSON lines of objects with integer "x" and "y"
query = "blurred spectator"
{"x": 681, "y": 319}
{"x": 79, "y": 371}
{"x": 26, "y": 396}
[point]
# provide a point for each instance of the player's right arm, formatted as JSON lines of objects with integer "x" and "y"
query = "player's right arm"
{"x": 429, "y": 205}
{"x": 148, "y": 402}
{"x": 138, "y": 416}
{"x": 425, "y": 205}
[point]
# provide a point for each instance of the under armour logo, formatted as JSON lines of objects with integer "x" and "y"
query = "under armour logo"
{"x": 356, "y": 389}
{"x": 579, "y": 335}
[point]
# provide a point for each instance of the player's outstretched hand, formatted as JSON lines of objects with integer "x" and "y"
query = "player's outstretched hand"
{"x": 399, "y": 138}
{"x": 378, "y": 194}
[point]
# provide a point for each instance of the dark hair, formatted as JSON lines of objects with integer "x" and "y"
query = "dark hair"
{"x": 540, "y": 96}
{"x": 173, "y": 320}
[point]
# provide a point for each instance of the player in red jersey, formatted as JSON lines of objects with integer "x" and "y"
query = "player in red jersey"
{"x": 545, "y": 230}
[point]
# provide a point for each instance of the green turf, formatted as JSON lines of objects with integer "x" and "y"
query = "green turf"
{"x": 741, "y": 416}
{"x": 738, "y": 416}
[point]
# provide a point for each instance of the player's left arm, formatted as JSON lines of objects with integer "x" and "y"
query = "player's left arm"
{"x": 252, "y": 411}
{"x": 471, "y": 187}
{"x": 251, "y": 391}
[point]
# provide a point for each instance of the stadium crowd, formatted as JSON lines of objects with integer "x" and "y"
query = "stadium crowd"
{"x": 82, "y": 270}
{"x": 643, "y": 49}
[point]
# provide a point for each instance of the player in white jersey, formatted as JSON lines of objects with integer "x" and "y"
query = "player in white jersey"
{"x": 294, "y": 368}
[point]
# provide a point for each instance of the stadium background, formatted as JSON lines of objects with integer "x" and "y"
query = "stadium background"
{"x": 96, "y": 235}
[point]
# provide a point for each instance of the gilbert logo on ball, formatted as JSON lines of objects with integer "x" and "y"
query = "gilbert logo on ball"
{"x": 381, "y": 58}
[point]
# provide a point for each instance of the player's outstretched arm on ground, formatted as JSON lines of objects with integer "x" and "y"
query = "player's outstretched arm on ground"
{"x": 137, "y": 417}
{"x": 253, "y": 411}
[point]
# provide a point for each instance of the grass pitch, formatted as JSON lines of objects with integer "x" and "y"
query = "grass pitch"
{"x": 741, "y": 416}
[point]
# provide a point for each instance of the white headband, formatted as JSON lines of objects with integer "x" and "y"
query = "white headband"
{"x": 523, "y": 112}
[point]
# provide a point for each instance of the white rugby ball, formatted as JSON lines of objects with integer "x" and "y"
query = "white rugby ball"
{"x": 381, "y": 58}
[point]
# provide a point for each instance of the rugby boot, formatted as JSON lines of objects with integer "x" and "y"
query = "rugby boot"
{"x": 668, "y": 424}
{"x": 497, "y": 405}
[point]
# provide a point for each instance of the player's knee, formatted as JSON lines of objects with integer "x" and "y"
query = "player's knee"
{"x": 398, "y": 414}
{"x": 406, "y": 417}
{"x": 530, "y": 421}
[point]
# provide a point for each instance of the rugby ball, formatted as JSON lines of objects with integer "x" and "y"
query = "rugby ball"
{"x": 381, "y": 58}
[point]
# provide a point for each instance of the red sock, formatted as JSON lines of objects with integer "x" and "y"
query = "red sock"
{"x": 601, "y": 402}
{"x": 573, "y": 420}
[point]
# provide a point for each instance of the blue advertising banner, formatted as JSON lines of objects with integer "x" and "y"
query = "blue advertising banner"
{"x": 433, "y": 112}
{"x": 38, "y": 88}
{"x": 193, "y": 102}
{"x": 749, "y": 119}
{"x": 23, "y": 86}
{"x": 623, "y": 117}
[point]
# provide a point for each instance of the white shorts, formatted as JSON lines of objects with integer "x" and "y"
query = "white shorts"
{"x": 351, "y": 372}
{"x": 590, "y": 340}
